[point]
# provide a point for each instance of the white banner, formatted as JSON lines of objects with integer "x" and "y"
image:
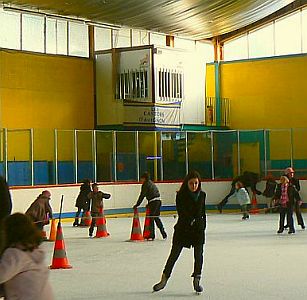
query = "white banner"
{"x": 168, "y": 115}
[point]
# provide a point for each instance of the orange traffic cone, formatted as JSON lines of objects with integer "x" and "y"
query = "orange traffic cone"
{"x": 254, "y": 210}
{"x": 52, "y": 235}
{"x": 59, "y": 260}
{"x": 136, "y": 232}
{"x": 147, "y": 225}
{"x": 101, "y": 225}
{"x": 87, "y": 219}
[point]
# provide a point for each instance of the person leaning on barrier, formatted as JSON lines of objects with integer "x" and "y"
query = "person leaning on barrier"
{"x": 248, "y": 179}
{"x": 40, "y": 210}
{"x": 82, "y": 202}
{"x": 152, "y": 194}
{"x": 289, "y": 173}
{"x": 95, "y": 204}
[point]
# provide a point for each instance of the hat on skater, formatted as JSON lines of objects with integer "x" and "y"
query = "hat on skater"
{"x": 289, "y": 170}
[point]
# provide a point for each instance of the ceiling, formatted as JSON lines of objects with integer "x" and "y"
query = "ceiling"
{"x": 197, "y": 19}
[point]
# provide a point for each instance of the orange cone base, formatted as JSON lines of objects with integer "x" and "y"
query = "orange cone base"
{"x": 102, "y": 234}
{"x": 60, "y": 263}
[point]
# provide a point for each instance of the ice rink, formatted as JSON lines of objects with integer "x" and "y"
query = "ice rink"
{"x": 243, "y": 260}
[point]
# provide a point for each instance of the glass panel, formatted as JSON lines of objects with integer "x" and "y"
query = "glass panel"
{"x": 205, "y": 50}
{"x": 299, "y": 139}
{"x": 104, "y": 148}
{"x": 199, "y": 153}
{"x": 236, "y": 49}
{"x": 9, "y": 30}
{"x": 102, "y": 38}
{"x": 184, "y": 44}
{"x": 126, "y": 160}
{"x": 43, "y": 151}
{"x": 278, "y": 151}
{"x": 136, "y": 37}
{"x": 288, "y": 35}
{"x": 174, "y": 158}
{"x": 261, "y": 42}
{"x": 225, "y": 154}
{"x": 33, "y": 33}
{"x": 19, "y": 166}
{"x": 121, "y": 38}
{"x": 252, "y": 152}
{"x": 150, "y": 156}
{"x": 304, "y": 28}
{"x": 61, "y": 37}
{"x": 85, "y": 155}
{"x": 66, "y": 167}
{"x": 51, "y": 42}
{"x": 78, "y": 40}
{"x": 157, "y": 39}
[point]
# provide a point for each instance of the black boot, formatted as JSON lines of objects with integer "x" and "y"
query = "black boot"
{"x": 196, "y": 284}
{"x": 164, "y": 235}
{"x": 160, "y": 285}
{"x": 76, "y": 223}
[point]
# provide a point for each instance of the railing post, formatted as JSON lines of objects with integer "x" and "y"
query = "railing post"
{"x": 137, "y": 153}
{"x": 239, "y": 154}
{"x": 76, "y": 155}
{"x": 94, "y": 150}
{"x": 6, "y": 170}
{"x": 114, "y": 156}
{"x": 161, "y": 155}
{"x": 186, "y": 153}
{"x": 32, "y": 155}
{"x": 217, "y": 93}
{"x": 291, "y": 147}
{"x": 56, "y": 175}
{"x": 212, "y": 156}
{"x": 265, "y": 152}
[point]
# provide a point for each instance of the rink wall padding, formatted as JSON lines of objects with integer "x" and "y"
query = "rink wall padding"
{"x": 125, "y": 195}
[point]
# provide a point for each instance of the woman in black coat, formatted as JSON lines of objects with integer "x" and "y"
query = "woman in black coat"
{"x": 189, "y": 230}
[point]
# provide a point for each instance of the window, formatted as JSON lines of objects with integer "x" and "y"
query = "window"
{"x": 51, "y": 36}
{"x": 170, "y": 85}
{"x": 157, "y": 39}
{"x": 261, "y": 42}
{"x": 184, "y": 44}
{"x": 132, "y": 85}
{"x": 121, "y": 38}
{"x": 78, "y": 39}
{"x": 9, "y": 30}
{"x": 61, "y": 35}
{"x": 33, "y": 33}
{"x": 102, "y": 38}
{"x": 288, "y": 35}
{"x": 236, "y": 49}
{"x": 205, "y": 51}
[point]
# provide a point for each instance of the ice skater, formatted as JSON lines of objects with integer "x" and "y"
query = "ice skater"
{"x": 82, "y": 202}
{"x": 241, "y": 194}
{"x": 289, "y": 172}
{"x": 152, "y": 194}
{"x": 285, "y": 197}
{"x": 96, "y": 203}
{"x": 22, "y": 264}
{"x": 249, "y": 179}
{"x": 189, "y": 230}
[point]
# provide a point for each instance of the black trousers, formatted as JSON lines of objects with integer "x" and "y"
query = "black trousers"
{"x": 174, "y": 255}
{"x": 283, "y": 212}
{"x": 93, "y": 224}
{"x": 299, "y": 217}
{"x": 154, "y": 210}
{"x": 225, "y": 200}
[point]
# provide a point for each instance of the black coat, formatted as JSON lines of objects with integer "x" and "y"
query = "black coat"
{"x": 5, "y": 199}
{"x": 149, "y": 190}
{"x": 293, "y": 195}
{"x": 82, "y": 199}
{"x": 191, "y": 225}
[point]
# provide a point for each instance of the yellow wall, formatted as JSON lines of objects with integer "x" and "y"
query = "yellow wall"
{"x": 266, "y": 93}
{"x": 45, "y": 91}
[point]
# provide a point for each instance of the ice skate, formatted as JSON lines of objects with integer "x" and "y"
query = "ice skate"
{"x": 160, "y": 285}
{"x": 196, "y": 284}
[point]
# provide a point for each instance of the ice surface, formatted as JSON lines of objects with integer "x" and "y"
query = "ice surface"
{"x": 243, "y": 260}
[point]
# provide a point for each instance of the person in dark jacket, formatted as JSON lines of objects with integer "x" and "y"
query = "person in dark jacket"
{"x": 5, "y": 207}
{"x": 5, "y": 199}
{"x": 82, "y": 202}
{"x": 96, "y": 203}
{"x": 152, "y": 194}
{"x": 40, "y": 210}
{"x": 289, "y": 172}
{"x": 285, "y": 196}
{"x": 248, "y": 179}
{"x": 189, "y": 230}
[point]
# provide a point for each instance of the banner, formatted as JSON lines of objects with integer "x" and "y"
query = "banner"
{"x": 157, "y": 115}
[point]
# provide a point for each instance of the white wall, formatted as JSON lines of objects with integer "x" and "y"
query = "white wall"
{"x": 125, "y": 195}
